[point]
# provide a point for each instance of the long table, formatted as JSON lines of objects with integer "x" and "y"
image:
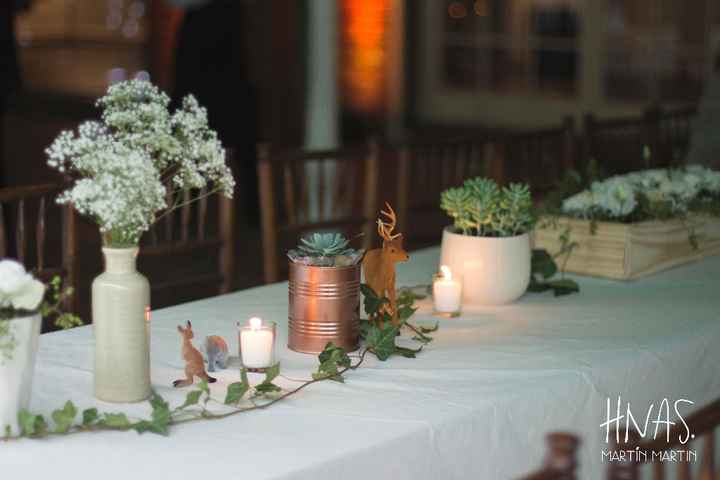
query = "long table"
{"x": 476, "y": 403}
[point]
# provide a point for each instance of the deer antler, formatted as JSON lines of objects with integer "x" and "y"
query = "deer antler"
{"x": 385, "y": 229}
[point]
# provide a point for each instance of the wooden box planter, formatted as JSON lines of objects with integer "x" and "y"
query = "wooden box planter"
{"x": 628, "y": 251}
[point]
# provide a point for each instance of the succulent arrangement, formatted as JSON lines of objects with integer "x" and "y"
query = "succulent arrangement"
{"x": 325, "y": 250}
{"x": 481, "y": 208}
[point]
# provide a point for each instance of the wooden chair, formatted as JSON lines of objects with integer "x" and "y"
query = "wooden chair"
{"x": 560, "y": 461}
{"x": 540, "y": 157}
{"x": 341, "y": 195}
{"x": 190, "y": 253}
{"x": 675, "y": 130}
{"x": 701, "y": 424}
{"x": 429, "y": 165}
{"x": 40, "y": 235}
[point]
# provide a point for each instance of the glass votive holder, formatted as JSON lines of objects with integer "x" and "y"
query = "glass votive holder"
{"x": 256, "y": 344}
{"x": 447, "y": 294}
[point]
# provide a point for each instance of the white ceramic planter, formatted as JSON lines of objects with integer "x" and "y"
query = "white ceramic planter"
{"x": 494, "y": 271}
{"x": 120, "y": 301}
{"x": 16, "y": 373}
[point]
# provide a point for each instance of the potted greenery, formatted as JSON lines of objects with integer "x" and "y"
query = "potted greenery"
{"x": 136, "y": 166}
{"x": 489, "y": 243}
{"x": 324, "y": 294}
{"x": 636, "y": 224}
{"x": 21, "y": 312}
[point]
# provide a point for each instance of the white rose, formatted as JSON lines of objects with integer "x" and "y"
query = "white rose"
{"x": 18, "y": 288}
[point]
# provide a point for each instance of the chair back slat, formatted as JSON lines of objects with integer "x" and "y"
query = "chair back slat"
{"x": 40, "y": 235}
{"x": 560, "y": 461}
{"x": 707, "y": 465}
{"x": 304, "y": 191}
{"x": 26, "y": 220}
{"x": 191, "y": 249}
{"x": 20, "y": 231}
{"x": 185, "y": 216}
{"x": 202, "y": 214}
{"x": 3, "y": 234}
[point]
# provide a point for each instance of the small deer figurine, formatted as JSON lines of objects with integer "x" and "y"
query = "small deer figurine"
{"x": 194, "y": 364}
{"x": 379, "y": 264}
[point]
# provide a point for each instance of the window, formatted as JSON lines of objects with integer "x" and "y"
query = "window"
{"x": 657, "y": 50}
{"x": 503, "y": 46}
{"x": 78, "y": 47}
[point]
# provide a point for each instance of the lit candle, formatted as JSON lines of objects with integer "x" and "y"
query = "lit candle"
{"x": 257, "y": 342}
{"x": 447, "y": 292}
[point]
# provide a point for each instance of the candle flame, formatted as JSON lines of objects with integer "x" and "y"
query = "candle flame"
{"x": 446, "y": 273}
{"x": 255, "y": 323}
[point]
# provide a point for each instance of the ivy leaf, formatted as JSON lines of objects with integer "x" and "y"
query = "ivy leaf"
{"x": 542, "y": 264}
{"x": 372, "y": 302}
{"x": 406, "y": 312}
{"x": 432, "y": 329}
{"x": 31, "y": 425}
{"x": 89, "y": 416}
{"x": 272, "y": 372}
{"x": 564, "y": 286}
{"x": 191, "y": 399}
{"x": 266, "y": 387}
{"x": 364, "y": 328}
{"x": 332, "y": 358}
{"x": 65, "y": 417}
{"x": 408, "y": 352}
{"x": 116, "y": 421}
{"x": 382, "y": 342}
{"x": 235, "y": 392}
{"x": 161, "y": 414}
{"x": 203, "y": 387}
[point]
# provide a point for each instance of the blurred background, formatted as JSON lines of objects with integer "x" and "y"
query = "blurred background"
{"x": 325, "y": 73}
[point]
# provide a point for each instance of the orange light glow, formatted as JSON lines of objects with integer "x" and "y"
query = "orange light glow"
{"x": 363, "y": 67}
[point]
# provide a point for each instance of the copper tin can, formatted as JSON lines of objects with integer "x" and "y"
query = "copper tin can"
{"x": 324, "y": 307}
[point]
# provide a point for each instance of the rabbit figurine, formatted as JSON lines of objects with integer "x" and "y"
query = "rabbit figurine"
{"x": 217, "y": 352}
{"x": 194, "y": 364}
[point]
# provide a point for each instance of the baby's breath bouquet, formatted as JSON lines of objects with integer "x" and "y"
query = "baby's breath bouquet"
{"x": 480, "y": 208}
{"x": 135, "y": 165}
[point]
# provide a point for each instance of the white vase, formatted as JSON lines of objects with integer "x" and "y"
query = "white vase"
{"x": 494, "y": 271}
{"x": 120, "y": 306}
{"x": 16, "y": 372}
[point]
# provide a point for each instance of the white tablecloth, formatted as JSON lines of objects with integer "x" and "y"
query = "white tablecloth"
{"x": 475, "y": 404}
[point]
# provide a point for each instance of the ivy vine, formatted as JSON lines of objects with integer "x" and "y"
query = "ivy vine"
{"x": 379, "y": 338}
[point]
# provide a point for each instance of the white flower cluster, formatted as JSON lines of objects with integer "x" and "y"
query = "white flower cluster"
{"x": 18, "y": 289}
{"x": 128, "y": 162}
{"x": 619, "y": 196}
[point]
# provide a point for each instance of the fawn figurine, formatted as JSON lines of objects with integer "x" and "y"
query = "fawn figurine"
{"x": 217, "y": 352}
{"x": 194, "y": 364}
{"x": 379, "y": 264}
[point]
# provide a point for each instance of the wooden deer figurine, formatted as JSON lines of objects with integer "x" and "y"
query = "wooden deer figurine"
{"x": 194, "y": 364}
{"x": 379, "y": 264}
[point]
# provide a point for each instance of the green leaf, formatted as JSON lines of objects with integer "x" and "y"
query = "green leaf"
{"x": 266, "y": 387}
{"x": 372, "y": 302}
{"x": 564, "y": 286}
{"x": 382, "y": 342}
{"x": 192, "y": 398}
{"x": 89, "y": 416}
{"x": 272, "y": 372}
{"x": 408, "y": 352}
{"x": 406, "y": 312}
{"x": 31, "y": 425}
{"x": 542, "y": 264}
{"x": 235, "y": 392}
{"x": 432, "y": 329}
{"x": 161, "y": 414}
{"x": 116, "y": 421}
{"x": 64, "y": 418}
{"x": 364, "y": 328}
{"x": 332, "y": 358}
{"x": 203, "y": 387}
